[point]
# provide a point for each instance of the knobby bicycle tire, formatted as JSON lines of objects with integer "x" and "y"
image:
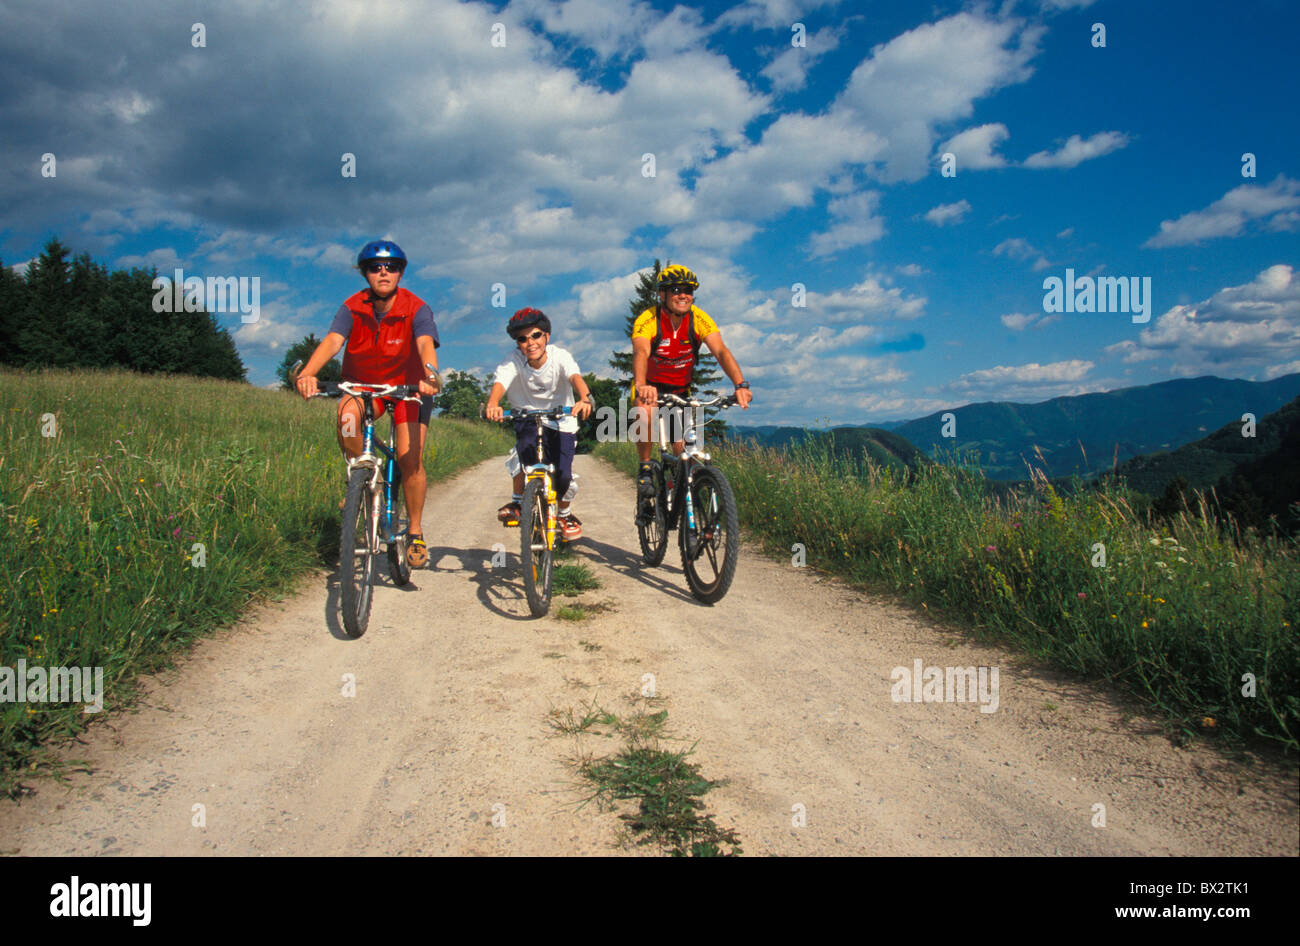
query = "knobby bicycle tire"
{"x": 537, "y": 563}
{"x": 710, "y": 549}
{"x": 653, "y": 533}
{"x": 356, "y": 556}
{"x": 398, "y": 568}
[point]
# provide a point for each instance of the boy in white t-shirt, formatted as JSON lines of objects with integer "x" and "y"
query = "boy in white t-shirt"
{"x": 539, "y": 376}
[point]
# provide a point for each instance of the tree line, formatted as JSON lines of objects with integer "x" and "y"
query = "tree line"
{"x": 75, "y": 313}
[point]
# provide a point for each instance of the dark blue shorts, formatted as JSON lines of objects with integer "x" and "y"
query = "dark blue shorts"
{"x": 558, "y": 449}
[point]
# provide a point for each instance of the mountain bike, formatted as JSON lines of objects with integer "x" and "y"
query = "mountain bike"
{"x": 539, "y": 528}
{"x": 372, "y": 509}
{"x": 694, "y": 498}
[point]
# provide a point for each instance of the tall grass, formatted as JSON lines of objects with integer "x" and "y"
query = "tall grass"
{"x": 104, "y": 520}
{"x": 1177, "y": 615}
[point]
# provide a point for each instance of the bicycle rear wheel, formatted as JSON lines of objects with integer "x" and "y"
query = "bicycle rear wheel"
{"x": 357, "y": 553}
{"x": 710, "y": 549}
{"x": 535, "y": 556}
{"x": 652, "y": 529}
{"x": 398, "y": 568}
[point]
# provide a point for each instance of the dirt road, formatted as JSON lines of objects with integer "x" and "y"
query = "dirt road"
{"x": 785, "y": 686}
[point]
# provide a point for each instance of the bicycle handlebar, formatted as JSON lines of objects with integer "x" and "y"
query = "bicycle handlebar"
{"x": 672, "y": 400}
{"x": 549, "y": 412}
{"x": 401, "y": 392}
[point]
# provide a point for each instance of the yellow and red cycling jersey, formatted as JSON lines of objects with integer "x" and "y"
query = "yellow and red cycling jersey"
{"x": 672, "y": 352}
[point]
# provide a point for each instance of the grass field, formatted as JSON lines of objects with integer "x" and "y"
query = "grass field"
{"x": 1203, "y": 629}
{"x": 142, "y": 512}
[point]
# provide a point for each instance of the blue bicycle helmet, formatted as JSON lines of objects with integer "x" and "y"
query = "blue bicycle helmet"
{"x": 380, "y": 249}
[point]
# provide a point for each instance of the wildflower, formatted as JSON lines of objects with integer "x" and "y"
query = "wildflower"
{"x": 1081, "y": 595}
{"x": 1208, "y": 722}
{"x": 1155, "y": 541}
{"x": 1112, "y": 617}
{"x": 1144, "y": 624}
{"x": 1160, "y": 600}
{"x": 176, "y": 532}
{"x": 142, "y": 479}
{"x": 991, "y": 549}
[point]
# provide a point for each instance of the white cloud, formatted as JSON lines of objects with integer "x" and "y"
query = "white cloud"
{"x": 1240, "y": 330}
{"x": 855, "y": 224}
{"x": 948, "y": 213}
{"x": 1076, "y": 150}
{"x": 974, "y": 148}
{"x": 772, "y": 14}
{"x": 1018, "y": 321}
{"x": 932, "y": 75}
{"x": 788, "y": 71}
{"x": 1274, "y": 206}
{"x": 1017, "y": 382}
{"x": 1021, "y": 249}
{"x": 608, "y": 27}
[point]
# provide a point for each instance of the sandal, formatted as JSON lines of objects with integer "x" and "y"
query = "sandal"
{"x": 417, "y": 553}
{"x": 570, "y": 527}
{"x": 510, "y": 513}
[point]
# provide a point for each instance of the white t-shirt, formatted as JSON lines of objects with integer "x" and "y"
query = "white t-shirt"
{"x": 536, "y": 389}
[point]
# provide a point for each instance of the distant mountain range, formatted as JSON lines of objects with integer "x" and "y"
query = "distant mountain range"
{"x": 1254, "y": 477}
{"x": 1109, "y": 428}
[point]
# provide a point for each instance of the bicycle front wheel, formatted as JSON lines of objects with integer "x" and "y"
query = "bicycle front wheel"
{"x": 535, "y": 553}
{"x": 710, "y": 549}
{"x": 357, "y": 553}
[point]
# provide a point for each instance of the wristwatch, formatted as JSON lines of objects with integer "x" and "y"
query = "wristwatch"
{"x": 743, "y": 384}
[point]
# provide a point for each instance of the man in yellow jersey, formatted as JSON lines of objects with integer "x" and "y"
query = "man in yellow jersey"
{"x": 665, "y": 346}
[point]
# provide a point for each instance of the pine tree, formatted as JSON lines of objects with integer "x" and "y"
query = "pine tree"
{"x": 13, "y": 303}
{"x": 302, "y": 350}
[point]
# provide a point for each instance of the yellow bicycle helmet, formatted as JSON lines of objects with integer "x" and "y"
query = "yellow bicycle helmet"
{"x": 676, "y": 275}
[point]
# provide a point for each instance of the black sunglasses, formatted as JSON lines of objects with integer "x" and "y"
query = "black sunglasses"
{"x": 376, "y": 266}
{"x": 531, "y": 337}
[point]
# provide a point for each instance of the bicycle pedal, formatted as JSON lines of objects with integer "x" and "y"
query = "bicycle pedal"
{"x": 510, "y": 523}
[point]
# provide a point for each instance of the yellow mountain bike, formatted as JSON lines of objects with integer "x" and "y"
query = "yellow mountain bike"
{"x": 539, "y": 526}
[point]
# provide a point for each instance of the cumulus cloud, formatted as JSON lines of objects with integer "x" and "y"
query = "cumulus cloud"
{"x": 948, "y": 213}
{"x": 1076, "y": 150}
{"x": 855, "y": 224}
{"x": 1028, "y": 381}
{"x": 1018, "y": 248}
{"x": 974, "y": 148}
{"x": 788, "y": 71}
{"x": 1241, "y": 330}
{"x": 1274, "y": 207}
{"x": 931, "y": 76}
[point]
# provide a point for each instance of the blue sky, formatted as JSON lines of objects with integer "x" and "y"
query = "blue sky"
{"x": 775, "y": 164}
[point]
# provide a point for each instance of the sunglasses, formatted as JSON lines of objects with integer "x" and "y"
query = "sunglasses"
{"x": 680, "y": 291}
{"x": 530, "y": 337}
{"x": 381, "y": 265}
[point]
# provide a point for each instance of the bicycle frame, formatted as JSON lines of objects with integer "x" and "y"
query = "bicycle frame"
{"x": 683, "y": 467}
{"x": 541, "y": 469}
{"x": 384, "y": 464}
